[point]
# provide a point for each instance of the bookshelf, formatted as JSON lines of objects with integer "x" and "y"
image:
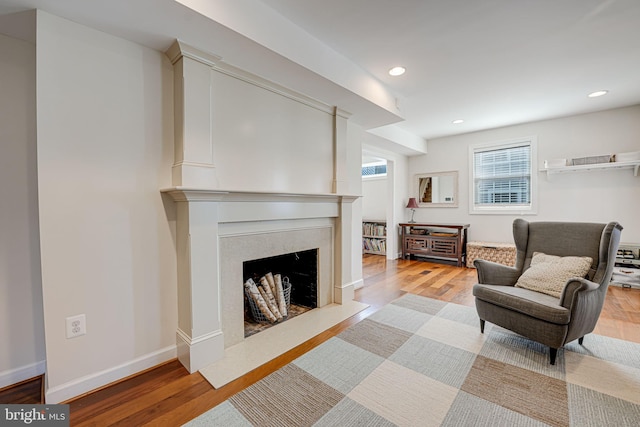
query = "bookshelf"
{"x": 374, "y": 237}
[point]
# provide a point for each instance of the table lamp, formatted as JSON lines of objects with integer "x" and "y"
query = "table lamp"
{"x": 413, "y": 204}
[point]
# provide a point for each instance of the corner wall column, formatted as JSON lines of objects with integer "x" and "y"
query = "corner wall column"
{"x": 192, "y": 90}
{"x": 340, "y": 166}
{"x": 344, "y": 288}
{"x": 344, "y": 283}
{"x": 199, "y": 337}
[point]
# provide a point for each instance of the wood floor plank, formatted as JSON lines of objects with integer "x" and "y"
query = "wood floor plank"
{"x": 142, "y": 401}
{"x": 150, "y": 413}
{"x": 96, "y": 405}
{"x": 25, "y": 392}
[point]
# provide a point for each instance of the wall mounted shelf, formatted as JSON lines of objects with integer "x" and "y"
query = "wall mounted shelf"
{"x": 635, "y": 165}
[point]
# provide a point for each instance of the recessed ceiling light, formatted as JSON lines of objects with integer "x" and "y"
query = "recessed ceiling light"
{"x": 397, "y": 71}
{"x": 598, "y": 93}
{"x": 457, "y": 121}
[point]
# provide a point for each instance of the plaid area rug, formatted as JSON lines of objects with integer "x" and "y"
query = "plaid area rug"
{"x": 424, "y": 362}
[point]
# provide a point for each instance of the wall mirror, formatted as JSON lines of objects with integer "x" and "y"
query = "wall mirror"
{"x": 437, "y": 189}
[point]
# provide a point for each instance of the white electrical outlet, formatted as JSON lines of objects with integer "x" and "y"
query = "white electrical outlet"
{"x": 76, "y": 326}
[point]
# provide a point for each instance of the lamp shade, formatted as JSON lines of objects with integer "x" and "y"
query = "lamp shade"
{"x": 413, "y": 204}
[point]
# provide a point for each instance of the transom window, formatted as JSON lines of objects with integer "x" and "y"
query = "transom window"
{"x": 375, "y": 169}
{"x": 503, "y": 178}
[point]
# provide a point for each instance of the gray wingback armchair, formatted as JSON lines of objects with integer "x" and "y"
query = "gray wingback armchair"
{"x": 544, "y": 318}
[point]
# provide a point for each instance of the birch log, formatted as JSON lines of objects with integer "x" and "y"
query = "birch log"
{"x": 271, "y": 300}
{"x": 264, "y": 296}
{"x": 282, "y": 302}
{"x": 259, "y": 301}
{"x": 271, "y": 281}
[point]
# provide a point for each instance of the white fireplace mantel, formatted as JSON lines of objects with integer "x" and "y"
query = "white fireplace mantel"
{"x": 203, "y": 215}
{"x": 185, "y": 194}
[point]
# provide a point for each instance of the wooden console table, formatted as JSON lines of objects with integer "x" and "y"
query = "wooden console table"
{"x": 440, "y": 241}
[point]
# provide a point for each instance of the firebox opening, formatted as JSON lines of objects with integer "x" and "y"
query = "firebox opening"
{"x": 298, "y": 268}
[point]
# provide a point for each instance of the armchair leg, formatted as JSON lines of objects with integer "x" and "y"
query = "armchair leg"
{"x": 481, "y": 326}
{"x": 580, "y": 340}
{"x": 552, "y": 355}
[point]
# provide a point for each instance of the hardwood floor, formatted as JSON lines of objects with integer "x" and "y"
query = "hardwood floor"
{"x": 168, "y": 395}
{"x": 26, "y": 392}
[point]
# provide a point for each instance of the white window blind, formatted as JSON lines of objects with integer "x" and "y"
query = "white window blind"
{"x": 502, "y": 176}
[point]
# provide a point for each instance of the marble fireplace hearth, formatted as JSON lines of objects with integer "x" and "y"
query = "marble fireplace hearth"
{"x": 258, "y": 349}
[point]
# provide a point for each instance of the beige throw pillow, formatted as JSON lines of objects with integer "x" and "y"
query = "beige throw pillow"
{"x": 549, "y": 273}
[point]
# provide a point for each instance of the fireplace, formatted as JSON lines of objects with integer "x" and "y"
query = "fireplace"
{"x": 302, "y": 250}
{"x": 296, "y": 276}
{"x": 217, "y": 232}
{"x": 267, "y": 206}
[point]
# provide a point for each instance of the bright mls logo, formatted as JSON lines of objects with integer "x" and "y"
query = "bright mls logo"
{"x": 37, "y": 415}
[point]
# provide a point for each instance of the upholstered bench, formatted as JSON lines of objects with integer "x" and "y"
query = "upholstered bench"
{"x": 502, "y": 253}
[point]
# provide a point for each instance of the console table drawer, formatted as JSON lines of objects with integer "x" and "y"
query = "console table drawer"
{"x": 416, "y": 244}
{"x": 432, "y": 245}
{"x": 441, "y": 247}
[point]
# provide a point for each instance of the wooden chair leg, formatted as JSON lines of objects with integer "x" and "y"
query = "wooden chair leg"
{"x": 552, "y": 355}
{"x": 580, "y": 340}
{"x": 481, "y": 326}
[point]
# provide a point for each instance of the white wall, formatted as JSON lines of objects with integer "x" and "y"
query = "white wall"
{"x": 21, "y": 323}
{"x": 598, "y": 196}
{"x": 105, "y": 148}
{"x": 374, "y": 203}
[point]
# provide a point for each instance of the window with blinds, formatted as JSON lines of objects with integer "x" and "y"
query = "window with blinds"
{"x": 503, "y": 176}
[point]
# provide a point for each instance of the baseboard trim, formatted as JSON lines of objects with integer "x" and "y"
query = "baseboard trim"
{"x": 14, "y": 376}
{"x": 77, "y": 387}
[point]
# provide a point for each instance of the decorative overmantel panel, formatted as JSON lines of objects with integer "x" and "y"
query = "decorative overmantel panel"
{"x": 221, "y": 111}
{"x": 207, "y": 212}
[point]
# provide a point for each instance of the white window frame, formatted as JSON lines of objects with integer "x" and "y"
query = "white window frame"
{"x": 532, "y": 208}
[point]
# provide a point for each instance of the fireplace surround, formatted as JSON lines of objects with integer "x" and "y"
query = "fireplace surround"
{"x": 255, "y": 241}
{"x": 216, "y": 231}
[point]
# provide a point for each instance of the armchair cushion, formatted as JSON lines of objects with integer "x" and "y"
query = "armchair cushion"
{"x": 531, "y": 303}
{"x": 549, "y": 273}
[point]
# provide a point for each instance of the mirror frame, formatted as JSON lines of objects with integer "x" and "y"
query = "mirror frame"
{"x": 453, "y": 204}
